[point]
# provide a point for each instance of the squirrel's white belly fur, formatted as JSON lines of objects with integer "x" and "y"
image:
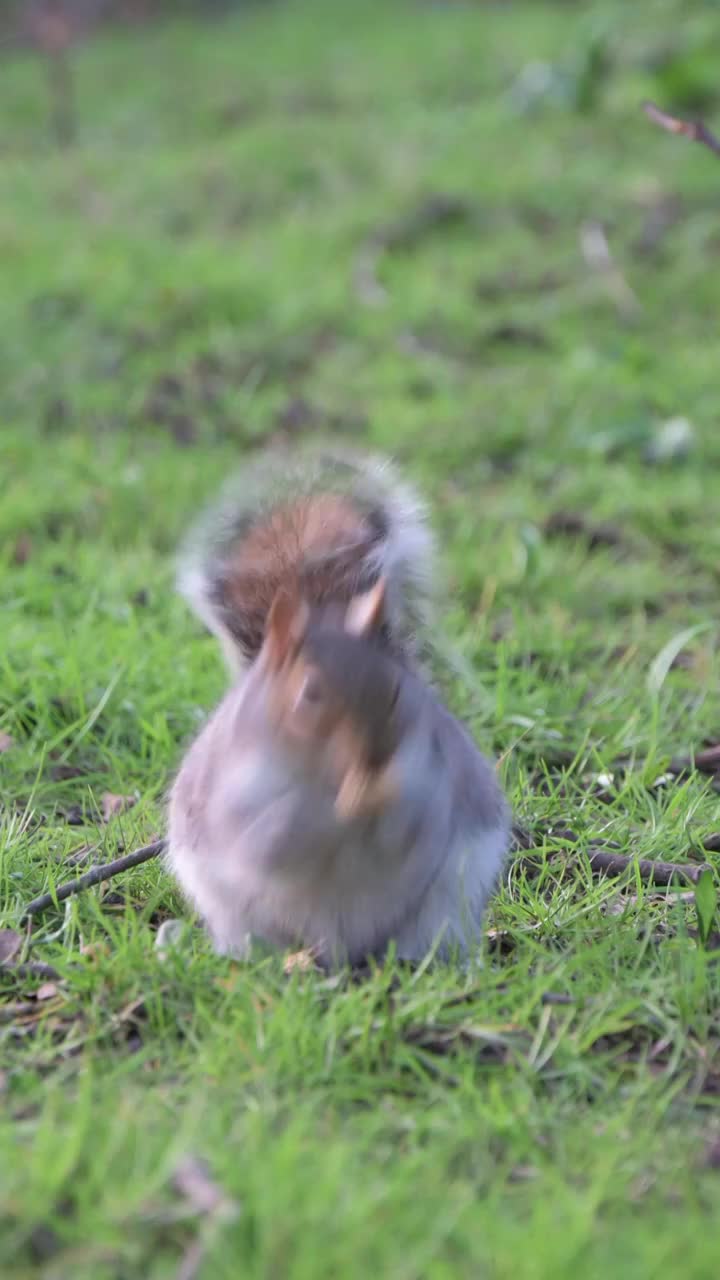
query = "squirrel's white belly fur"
{"x": 340, "y": 917}
{"x": 260, "y": 852}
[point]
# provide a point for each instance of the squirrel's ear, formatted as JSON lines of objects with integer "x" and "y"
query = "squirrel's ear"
{"x": 286, "y": 626}
{"x": 366, "y": 612}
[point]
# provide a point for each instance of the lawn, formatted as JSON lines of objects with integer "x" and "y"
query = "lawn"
{"x": 446, "y": 232}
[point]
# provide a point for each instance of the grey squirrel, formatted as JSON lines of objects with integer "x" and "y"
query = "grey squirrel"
{"x": 331, "y": 802}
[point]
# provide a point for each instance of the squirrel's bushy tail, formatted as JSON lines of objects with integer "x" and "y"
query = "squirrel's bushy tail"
{"x": 326, "y": 523}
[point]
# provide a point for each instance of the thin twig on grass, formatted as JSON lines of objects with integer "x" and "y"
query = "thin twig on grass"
{"x": 611, "y": 863}
{"x": 54, "y": 27}
{"x": 705, "y": 761}
{"x": 62, "y": 88}
{"x": 94, "y": 876}
{"x": 695, "y": 130}
{"x": 32, "y": 969}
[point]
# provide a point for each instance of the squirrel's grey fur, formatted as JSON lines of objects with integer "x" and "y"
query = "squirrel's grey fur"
{"x": 254, "y": 839}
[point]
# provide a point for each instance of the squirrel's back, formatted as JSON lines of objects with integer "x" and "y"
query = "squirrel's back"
{"x": 327, "y": 525}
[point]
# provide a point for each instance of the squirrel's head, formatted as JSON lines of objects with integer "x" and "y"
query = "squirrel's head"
{"x": 312, "y": 660}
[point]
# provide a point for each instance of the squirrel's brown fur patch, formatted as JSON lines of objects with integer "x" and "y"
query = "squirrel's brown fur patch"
{"x": 324, "y": 525}
{"x": 322, "y": 544}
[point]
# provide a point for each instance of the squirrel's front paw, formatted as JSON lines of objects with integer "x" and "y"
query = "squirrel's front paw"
{"x": 351, "y": 799}
{"x": 363, "y": 793}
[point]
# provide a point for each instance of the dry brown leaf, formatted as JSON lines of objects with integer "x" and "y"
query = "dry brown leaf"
{"x": 193, "y": 1180}
{"x": 302, "y": 961}
{"x": 94, "y": 950}
{"x": 47, "y": 991}
{"x": 6, "y": 742}
{"x": 10, "y": 944}
{"x": 112, "y": 805}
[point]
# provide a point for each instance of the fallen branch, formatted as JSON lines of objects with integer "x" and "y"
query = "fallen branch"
{"x": 611, "y": 863}
{"x": 695, "y": 130}
{"x": 31, "y": 969}
{"x": 94, "y": 876}
{"x": 572, "y": 524}
{"x": 651, "y": 872}
{"x": 616, "y": 864}
{"x": 705, "y": 761}
{"x": 18, "y": 1009}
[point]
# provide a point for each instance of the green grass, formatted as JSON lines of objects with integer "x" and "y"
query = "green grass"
{"x": 182, "y": 286}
